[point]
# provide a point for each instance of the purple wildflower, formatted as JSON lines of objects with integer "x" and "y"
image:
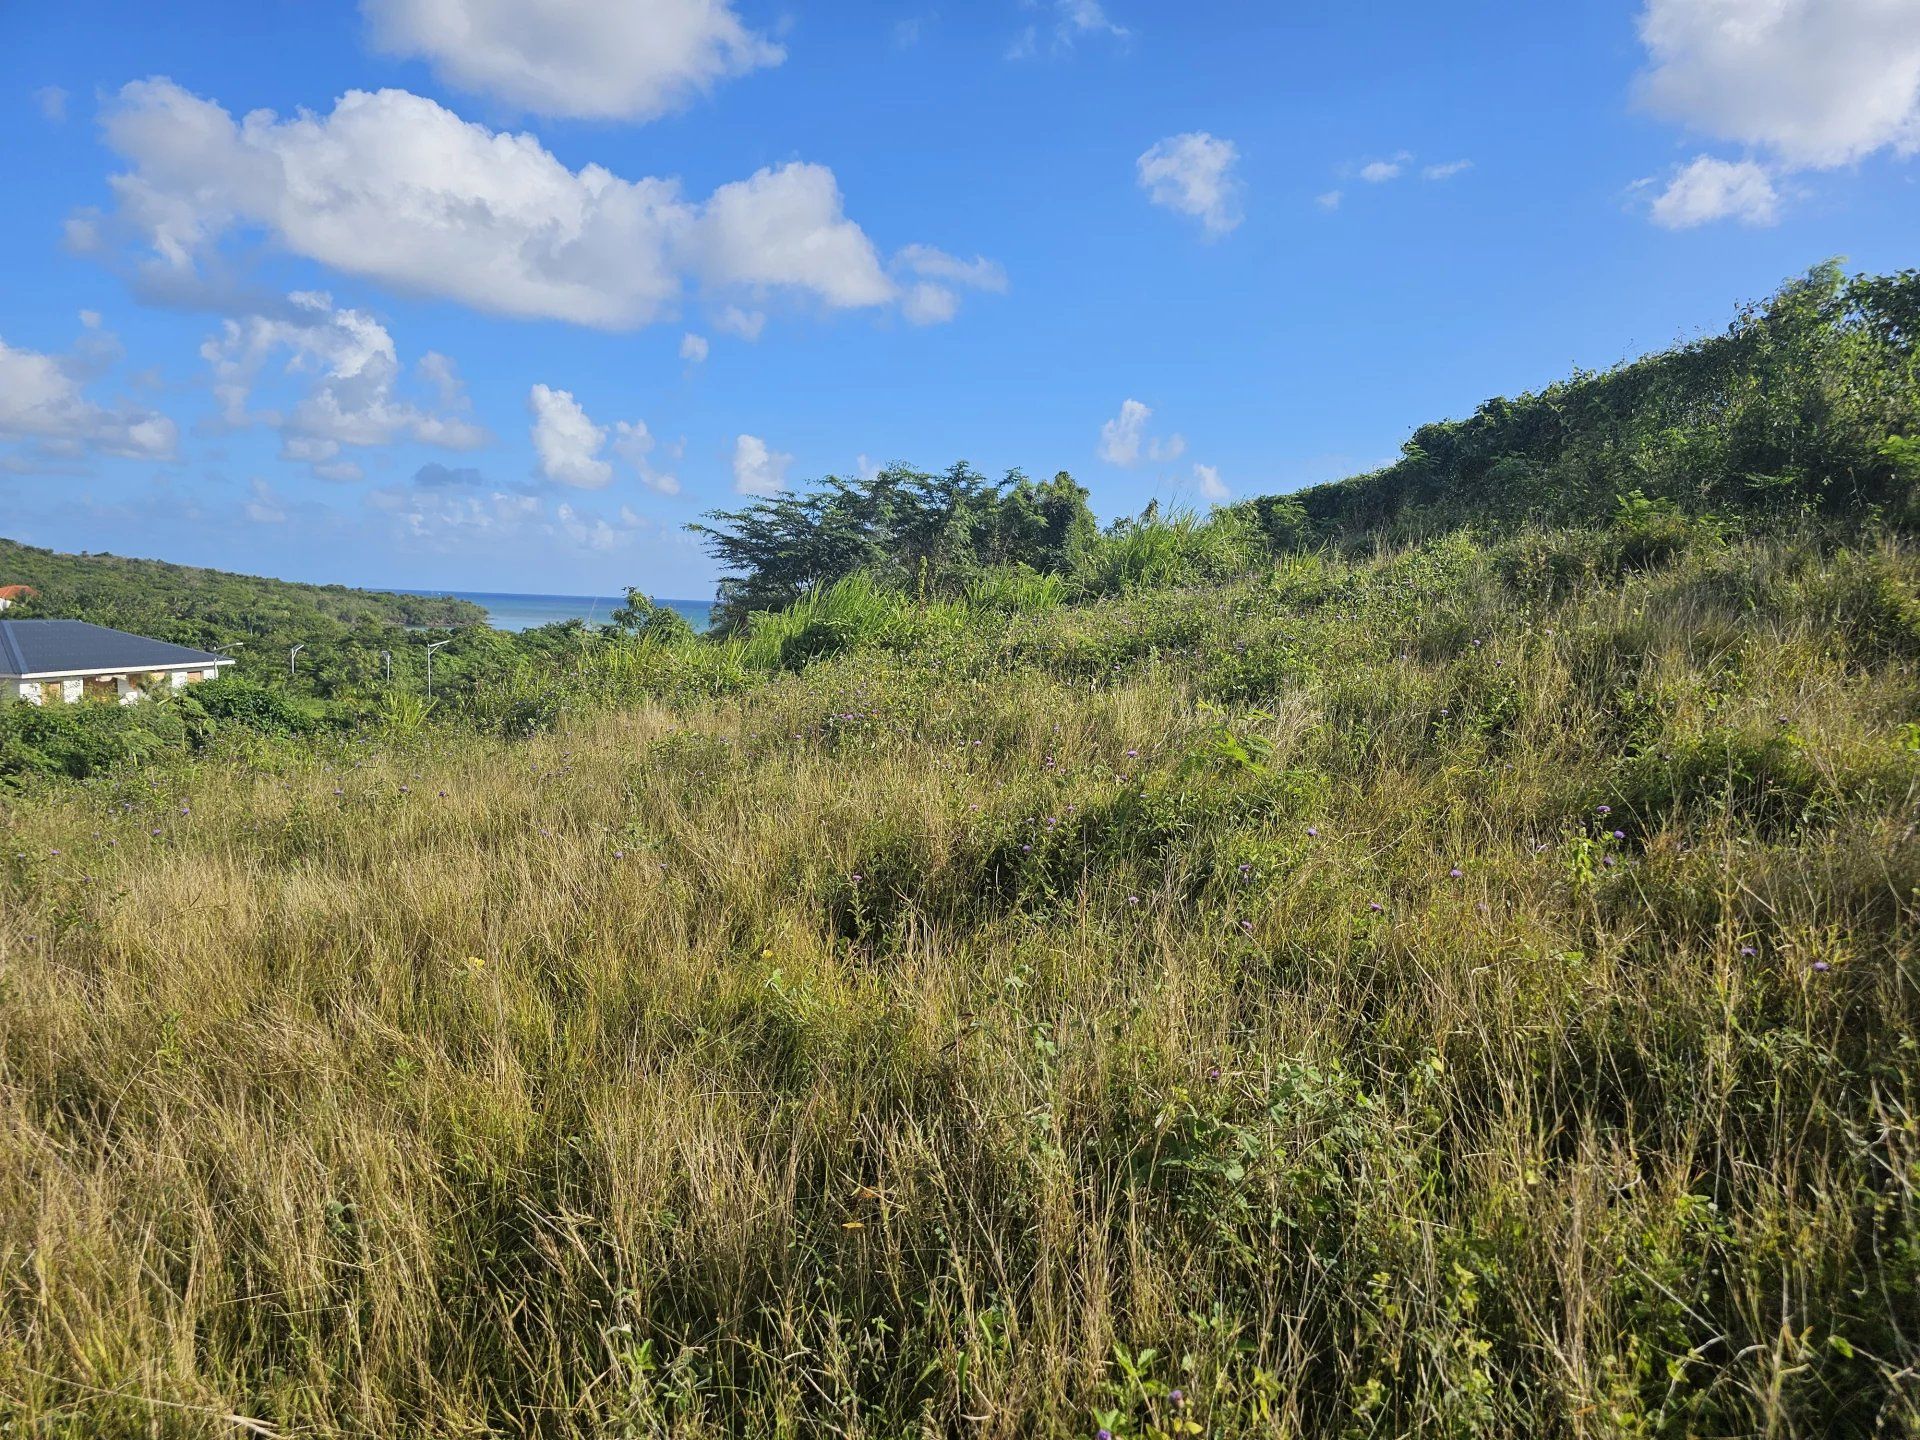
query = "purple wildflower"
{"x": 1821, "y": 966}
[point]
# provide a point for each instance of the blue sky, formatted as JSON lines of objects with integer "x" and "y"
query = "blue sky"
{"x": 487, "y": 294}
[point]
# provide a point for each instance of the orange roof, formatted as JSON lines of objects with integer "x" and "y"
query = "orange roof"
{"x": 16, "y": 592}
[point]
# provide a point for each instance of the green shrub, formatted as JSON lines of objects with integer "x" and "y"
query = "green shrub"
{"x": 1766, "y": 780}
{"x": 261, "y": 708}
{"x": 847, "y": 614}
{"x": 1182, "y": 549}
{"x": 87, "y": 738}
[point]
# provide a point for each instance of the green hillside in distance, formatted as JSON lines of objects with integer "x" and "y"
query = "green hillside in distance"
{"x": 194, "y": 606}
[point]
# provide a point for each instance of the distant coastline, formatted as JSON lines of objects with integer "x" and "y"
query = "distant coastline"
{"x": 507, "y": 611}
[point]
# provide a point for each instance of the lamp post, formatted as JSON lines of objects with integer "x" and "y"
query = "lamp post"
{"x": 290, "y": 654}
{"x": 430, "y": 649}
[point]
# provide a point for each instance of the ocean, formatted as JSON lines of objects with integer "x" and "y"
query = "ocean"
{"x": 524, "y": 612}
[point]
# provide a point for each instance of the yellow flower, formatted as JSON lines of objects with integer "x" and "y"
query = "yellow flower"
{"x": 476, "y": 964}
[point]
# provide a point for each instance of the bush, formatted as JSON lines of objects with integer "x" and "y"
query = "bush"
{"x": 1182, "y": 549}
{"x": 1014, "y": 590}
{"x": 84, "y": 739}
{"x": 849, "y": 613}
{"x": 1765, "y": 779}
{"x": 258, "y": 707}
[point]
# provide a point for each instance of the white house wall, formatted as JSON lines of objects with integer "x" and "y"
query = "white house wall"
{"x": 73, "y": 689}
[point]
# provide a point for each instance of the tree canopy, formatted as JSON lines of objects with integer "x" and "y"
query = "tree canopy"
{"x": 908, "y": 529}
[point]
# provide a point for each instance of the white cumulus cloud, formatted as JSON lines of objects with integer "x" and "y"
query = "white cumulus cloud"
{"x": 1710, "y": 189}
{"x": 567, "y": 443}
{"x": 1124, "y": 440}
{"x": 930, "y": 291}
{"x": 1073, "y": 21}
{"x": 1207, "y": 478}
{"x": 1193, "y": 174}
{"x": 1804, "y": 84}
{"x": 346, "y": 372}
{"x": 1817, "y": 83}
{"x": 758, "y": 470}
{"x": 401, "y": 190}
{"x": 43, "y": 403}
{"x": 634, "y": 443}
{"x": 591, "y": 59}
{"x": 1378, "y": 172}
{"x": 694, "y": 348}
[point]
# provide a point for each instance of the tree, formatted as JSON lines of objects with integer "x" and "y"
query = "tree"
{"x": 908, "y": 530}
{"x": 645, "y": 620}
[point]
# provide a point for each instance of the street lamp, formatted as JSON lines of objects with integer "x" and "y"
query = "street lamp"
{"x": 430, "y": 649}
{"x": 290, "y": 654}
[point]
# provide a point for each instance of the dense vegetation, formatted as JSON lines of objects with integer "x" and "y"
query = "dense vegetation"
{"x": 361, "y": 661}
{"x": 903, "y": 528}
{"x": 192, "y": 606}
{"x": 1211, "y": 979}
{"x": 1805, "y": 406}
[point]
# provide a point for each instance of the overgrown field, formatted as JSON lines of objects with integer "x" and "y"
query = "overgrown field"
{"x": 1469, "y": 991}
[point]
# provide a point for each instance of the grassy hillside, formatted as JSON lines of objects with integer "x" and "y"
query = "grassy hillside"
{"x": 1435, "y": 957}
{"x": 1382, "y": 998}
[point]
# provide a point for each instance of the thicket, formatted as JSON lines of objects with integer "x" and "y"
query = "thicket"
{"x": 1805, "y": 407}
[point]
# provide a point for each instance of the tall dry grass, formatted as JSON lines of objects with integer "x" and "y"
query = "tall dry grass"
{"x": 1242, "y": 994}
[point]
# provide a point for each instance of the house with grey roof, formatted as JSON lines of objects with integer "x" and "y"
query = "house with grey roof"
{"x": 51, "y": 661}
